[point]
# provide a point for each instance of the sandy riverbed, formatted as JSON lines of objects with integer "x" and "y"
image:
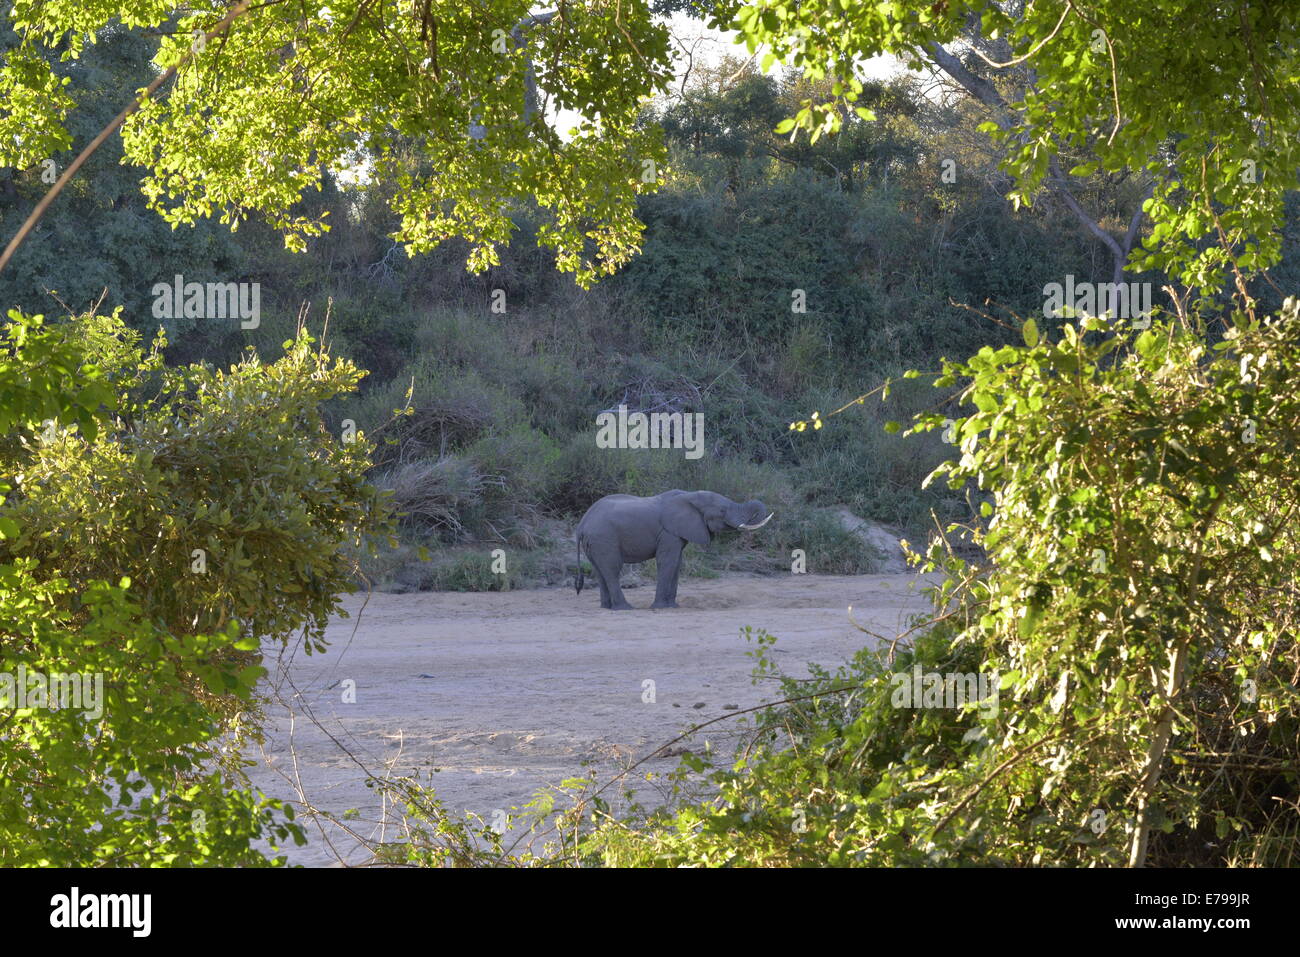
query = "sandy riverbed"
{"x": 508, "y": 692}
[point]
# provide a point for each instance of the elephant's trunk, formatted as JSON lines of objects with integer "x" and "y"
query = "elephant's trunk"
{"x": 750, "y": 528}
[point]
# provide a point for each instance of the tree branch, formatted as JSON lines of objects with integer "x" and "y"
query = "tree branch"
{"x": 984, "y": 91}
{"x": 530, "y": 81}
{"x": 35, "y": 217}
{"x": 976, "y": 86}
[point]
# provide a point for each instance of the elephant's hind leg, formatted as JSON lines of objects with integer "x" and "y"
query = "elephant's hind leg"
{"x": 608, "y": 563}
{"x": 604, "y": 589}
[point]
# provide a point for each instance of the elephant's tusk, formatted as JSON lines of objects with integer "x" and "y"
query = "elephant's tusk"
{"x": 750, "y": 528}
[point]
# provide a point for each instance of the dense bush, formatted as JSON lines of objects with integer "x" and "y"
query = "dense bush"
{"x": 220, "y": 493}
{"x": 120, "y": 470}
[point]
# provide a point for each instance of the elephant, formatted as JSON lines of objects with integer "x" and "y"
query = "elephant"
{"x": 621, "y": 529}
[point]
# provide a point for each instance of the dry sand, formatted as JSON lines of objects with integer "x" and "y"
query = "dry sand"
{"x": 508, "y": 692}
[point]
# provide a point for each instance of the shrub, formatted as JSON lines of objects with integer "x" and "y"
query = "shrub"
{"x": 126, "y": 779}
{"x": 221, "y": 494}
{"x": 472, "y": 571}
{"x": 434, "y": 494}
{"x": 829, "y": 548}
{"x": 443, "y": 409}
{"x": 526, "y": 461}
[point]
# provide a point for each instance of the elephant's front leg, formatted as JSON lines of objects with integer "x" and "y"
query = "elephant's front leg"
{"x": 669, "y": 561}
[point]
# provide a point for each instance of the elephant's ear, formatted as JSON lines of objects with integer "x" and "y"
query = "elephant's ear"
{"x": 685, "y": 521}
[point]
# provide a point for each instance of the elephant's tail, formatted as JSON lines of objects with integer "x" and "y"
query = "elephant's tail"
{"x": 578, "y": 579}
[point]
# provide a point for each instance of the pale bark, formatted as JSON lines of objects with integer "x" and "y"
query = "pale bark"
{"x": 986, "y": 93}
